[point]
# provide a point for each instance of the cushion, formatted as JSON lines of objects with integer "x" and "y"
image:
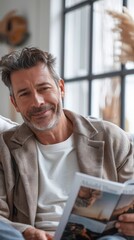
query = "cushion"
{"x": 6, "y": 123}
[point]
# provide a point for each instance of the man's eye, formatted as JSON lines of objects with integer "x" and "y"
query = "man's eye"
{"x": 24, "y": 94}
{"x": 44, "y": 89}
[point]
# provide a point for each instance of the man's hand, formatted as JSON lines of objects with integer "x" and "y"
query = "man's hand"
{"x": 36, "y": 234}
{"x": 126, "y": 224}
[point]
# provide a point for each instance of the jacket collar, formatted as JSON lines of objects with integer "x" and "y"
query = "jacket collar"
{"x": 90, "y": 152}
{"x": 22, "y": 134}
{"x": 81, "y": 126}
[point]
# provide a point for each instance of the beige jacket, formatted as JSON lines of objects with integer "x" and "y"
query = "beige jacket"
{"x": 103, "y": 150}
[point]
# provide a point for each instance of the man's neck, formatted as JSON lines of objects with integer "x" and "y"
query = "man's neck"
{"x": 59, "y": 133}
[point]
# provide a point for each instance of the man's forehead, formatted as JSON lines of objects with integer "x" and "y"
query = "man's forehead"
{"x": 35, "y": 72}
{"x": 32, "y": 77}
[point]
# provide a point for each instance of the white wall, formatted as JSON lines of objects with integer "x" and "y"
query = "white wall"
{"x": 44, "y": 21}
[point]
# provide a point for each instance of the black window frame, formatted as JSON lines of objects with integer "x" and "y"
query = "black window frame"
{"x": 122, "y": 73}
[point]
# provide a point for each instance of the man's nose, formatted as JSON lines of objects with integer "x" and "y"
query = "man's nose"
{"x": 37, "y": 100}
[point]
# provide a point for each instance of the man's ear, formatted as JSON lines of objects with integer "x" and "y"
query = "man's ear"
{"x": 62, "y": 87}
{"x": 14, "y": 103}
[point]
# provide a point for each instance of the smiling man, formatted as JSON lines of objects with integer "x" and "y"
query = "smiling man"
{"x": 39, "y": 158}
{"x": 39, "y": 100}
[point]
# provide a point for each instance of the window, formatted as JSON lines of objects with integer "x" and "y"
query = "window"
{"x": 95, "y": 83}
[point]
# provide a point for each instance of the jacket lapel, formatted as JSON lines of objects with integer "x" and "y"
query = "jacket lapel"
{"x": 90, "y": 152}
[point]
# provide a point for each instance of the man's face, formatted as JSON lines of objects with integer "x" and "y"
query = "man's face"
{"x": 37, "y": 97}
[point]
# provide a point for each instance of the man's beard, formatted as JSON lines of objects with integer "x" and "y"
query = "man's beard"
{"x": 52, "y": 123}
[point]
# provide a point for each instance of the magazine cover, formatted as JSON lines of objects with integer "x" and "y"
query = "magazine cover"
{"x": 93, "y": 208}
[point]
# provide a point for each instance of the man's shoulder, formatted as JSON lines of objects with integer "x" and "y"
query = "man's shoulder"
{"x": 102, "y": 124}
{"x": 97, "y": 127}
{"x": 16, "y": 135}
{"x": 99, "y": 123}
{"x": 106, "y": 127}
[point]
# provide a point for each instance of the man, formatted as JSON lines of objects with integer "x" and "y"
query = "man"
{"x": 39, "y": 158}
{"x": 7, "y": 231}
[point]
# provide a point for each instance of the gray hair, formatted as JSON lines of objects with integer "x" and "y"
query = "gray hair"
{"x": 24, "y": 59}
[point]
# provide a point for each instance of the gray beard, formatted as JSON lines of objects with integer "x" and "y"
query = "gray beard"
{"x": 36, "y": 127}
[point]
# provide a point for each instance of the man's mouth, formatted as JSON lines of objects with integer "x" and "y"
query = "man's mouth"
{"x": 42, "y": 112}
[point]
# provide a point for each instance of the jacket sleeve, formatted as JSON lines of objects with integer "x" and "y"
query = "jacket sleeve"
{"x": 7, "y": 182}
{"x": 119, "y": 148}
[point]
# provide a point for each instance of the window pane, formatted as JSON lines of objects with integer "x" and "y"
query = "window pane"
{"x": 70, "y": 3}
{"x": 106, "y": 99}
{"x": 130, "y": 6}
{"x": 76, "y": 97}
{"x": 129, "y": 104}
{"x": 76, "y": 43}
{"x": 103, "y": 37}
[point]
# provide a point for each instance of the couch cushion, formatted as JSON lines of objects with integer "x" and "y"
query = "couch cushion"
{"x": 6, "y": 123}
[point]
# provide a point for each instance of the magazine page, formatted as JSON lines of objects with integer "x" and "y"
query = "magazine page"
{"x": 129, "y": 182}
{"x": 89, "y": 208}
{"x": 125, "y": 204}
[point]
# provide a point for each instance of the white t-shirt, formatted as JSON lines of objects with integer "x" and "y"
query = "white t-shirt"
{"x": 57, "y": 166}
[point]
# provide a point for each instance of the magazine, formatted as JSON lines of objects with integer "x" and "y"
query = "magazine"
{"x": 93, "y": 207}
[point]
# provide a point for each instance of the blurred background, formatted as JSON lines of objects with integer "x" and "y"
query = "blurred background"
{"x": 82, "y": 36}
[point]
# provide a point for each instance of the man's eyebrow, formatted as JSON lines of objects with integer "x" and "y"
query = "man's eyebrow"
{"x": 38, "y": 85}
{"x": 42, "y": 84}
{"x": 22, "y": 90}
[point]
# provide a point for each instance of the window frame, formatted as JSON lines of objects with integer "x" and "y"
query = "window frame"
{"x": 122, "y": 73}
